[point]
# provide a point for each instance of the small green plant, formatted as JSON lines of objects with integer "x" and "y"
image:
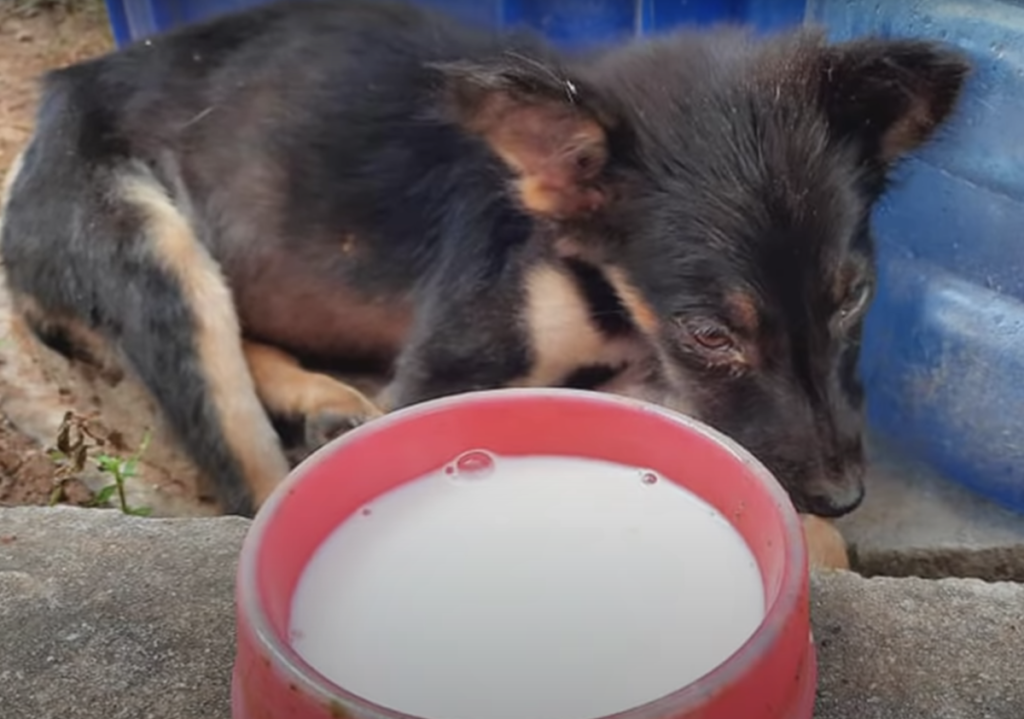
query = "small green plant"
{"x": 121, "y": 469}
{"x": 76, "y": 440}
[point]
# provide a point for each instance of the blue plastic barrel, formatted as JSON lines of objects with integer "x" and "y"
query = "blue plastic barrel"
{"x": 568, "y": 22}
{"x": 944, "y": 347}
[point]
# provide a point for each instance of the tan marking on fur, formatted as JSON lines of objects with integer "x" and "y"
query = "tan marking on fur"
{"x": 292, "y": 303}
{"x": 642, "y": 313}
{"x": 556, "y": 151}
{"x": 645, "y": 375}
{"x": 743, "y": 311}
{"x": 12, "y": 173}
{"x": 537, "y": 197}
{"x": 285, "y": 387}
{"x": 348, "y": 244}
{"x": 826, "y": 548}
{"x": 557, "y": 197}
{"x": 247, "y": 429}
{"x": 565, "y": 246}
{"x": 907, "y": 133}
{"x": 8, "y": 184}
{"x": 562, "y": 333}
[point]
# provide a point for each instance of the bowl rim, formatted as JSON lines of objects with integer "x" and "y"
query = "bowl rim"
{"x": 305, "y": 677}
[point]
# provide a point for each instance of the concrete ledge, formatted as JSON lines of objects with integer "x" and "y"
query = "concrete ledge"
{"x": 108, "y": 617}
{"x": 914, "y": 522}
{"x": 105, "y": 617}
{"x": 918, "y": 649}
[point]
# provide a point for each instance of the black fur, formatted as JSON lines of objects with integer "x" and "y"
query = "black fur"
{"x": 724, "y": 183}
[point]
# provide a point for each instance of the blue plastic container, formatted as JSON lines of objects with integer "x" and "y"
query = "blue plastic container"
{"x": 944, "y": 347}
{"x": 568, "y": 22}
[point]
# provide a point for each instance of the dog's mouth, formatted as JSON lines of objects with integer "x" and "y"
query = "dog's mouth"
{"x": 811, "y": 491}
{"x": 832, "y": 502}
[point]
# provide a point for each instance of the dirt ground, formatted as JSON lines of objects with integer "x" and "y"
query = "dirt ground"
{"x": 37, "y": 387}
{"x": 33, "y": 41}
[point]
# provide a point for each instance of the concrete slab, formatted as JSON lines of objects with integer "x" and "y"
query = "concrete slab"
{"x": 109, "y": 617}
{"x": 104, "y": 617}
{"x": 894, "y": 648}
{"x": 914, "y": 522}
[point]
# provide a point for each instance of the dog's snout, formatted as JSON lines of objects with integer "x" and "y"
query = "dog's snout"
{"x": 835, "y": 497}
{"x": 832, "y": 506}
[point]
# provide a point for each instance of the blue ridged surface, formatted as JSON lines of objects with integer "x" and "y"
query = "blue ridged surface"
{"x": 569, "y": 22}
{"x": 944, "y": 347}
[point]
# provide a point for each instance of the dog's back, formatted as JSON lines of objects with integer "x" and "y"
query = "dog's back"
{"x": 248, "y": 146}
{"x": 370, "y": 181}
{"x": 325, "y": 104}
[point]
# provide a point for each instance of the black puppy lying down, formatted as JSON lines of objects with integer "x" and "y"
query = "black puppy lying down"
{"x": 365, "y": 183}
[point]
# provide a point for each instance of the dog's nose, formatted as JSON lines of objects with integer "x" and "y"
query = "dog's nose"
{"x": 834, "y": 499}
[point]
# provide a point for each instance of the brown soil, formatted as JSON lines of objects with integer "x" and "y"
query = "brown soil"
{"x": 35, "y": 36}
{"x": 32, "y": 42}
{"x": 27, "y": 472}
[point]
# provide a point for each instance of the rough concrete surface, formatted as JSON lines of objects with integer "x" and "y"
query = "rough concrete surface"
{"x": 108, "y": 617}
{"x": 914, "y": 522}
{"x": 894, "y": 648}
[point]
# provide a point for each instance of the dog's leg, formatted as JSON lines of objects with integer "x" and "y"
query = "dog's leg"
{"x": 204, "y": 385}
{"x": 461, "y": 343}
{"x": 113, "y": 253}
{"x": 327, "y": 406}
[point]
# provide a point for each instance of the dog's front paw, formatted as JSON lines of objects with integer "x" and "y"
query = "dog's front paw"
{"x": 337, "y": 409}
{"x": 330, "y": 423}
{"x": 826, "y": 547}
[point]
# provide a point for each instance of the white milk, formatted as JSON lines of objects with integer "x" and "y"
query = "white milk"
{"x": 532, "y": 588}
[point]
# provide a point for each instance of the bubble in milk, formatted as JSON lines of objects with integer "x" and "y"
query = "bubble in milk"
{"x": 472, "y": 465}
{"x": 648, "y": 477}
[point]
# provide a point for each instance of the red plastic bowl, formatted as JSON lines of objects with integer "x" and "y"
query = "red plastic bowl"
{"x": 772, "y": 676}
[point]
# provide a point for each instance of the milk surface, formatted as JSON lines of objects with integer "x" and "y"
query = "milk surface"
{"x": 526, "y": 588}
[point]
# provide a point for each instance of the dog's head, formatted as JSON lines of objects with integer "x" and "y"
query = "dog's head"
{"x": 725, "y": 186}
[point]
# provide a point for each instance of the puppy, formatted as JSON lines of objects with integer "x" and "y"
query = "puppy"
{"x": 369, "y": 184}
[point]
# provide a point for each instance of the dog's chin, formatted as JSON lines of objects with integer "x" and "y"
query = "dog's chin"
{"x": 829, "y": 505}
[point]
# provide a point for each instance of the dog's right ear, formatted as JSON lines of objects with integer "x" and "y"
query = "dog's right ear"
{"x": 890, "y": 95}
{"x": 544, "y": 125}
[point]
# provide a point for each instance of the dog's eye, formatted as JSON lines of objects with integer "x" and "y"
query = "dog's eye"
{"x": 717, "y": 339}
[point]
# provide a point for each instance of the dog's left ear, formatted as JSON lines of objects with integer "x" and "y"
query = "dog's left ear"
{"x": 544, "y": 125}
{"x": 889, "y": 96}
